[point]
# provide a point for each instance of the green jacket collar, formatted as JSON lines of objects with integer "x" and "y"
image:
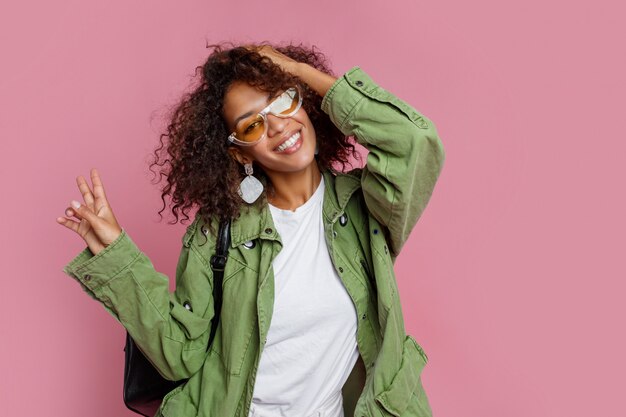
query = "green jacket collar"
{"x": 256, "y": 220}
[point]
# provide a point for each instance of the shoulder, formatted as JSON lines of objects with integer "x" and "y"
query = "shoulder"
{"x": 197, "y": 233}
{"x": 349, "y": 191}
{"x": 346, "y": 181}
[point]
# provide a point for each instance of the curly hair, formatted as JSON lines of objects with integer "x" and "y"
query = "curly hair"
{"x": 194, "y": 158}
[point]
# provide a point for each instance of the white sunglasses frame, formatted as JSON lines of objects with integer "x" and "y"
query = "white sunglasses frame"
{"x": 263, "y": 113}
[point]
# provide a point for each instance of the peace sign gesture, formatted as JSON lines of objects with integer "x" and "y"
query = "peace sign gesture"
{"x": 97, "y": 224}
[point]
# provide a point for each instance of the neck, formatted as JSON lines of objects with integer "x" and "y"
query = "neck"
{"x": 290, "y": 190}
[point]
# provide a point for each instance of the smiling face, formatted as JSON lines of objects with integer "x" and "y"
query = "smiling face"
{"x": 242, "y": 103}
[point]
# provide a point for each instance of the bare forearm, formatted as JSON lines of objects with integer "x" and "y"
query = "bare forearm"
{"x": 319, "y": 81}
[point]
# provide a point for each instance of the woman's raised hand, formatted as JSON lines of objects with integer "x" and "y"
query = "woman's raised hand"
{"x": 96, "y": 223}
{"x": 317, "y": 80}
{"x": 286, "y": 63}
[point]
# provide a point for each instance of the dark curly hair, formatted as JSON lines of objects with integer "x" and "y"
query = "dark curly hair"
{"x": 194, "y": 158}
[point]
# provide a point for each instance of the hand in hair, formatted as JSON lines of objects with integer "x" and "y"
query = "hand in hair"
{"x": 286, "y": 63}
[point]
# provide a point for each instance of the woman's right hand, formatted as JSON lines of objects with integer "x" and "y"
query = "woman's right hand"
{"x": 97, "y": 224}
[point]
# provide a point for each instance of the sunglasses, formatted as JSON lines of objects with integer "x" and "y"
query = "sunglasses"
{"x": 251, "y": 131}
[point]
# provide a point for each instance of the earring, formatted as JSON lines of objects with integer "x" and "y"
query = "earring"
{"x": 317, "y": 148}
{"x": 250, "y": 188}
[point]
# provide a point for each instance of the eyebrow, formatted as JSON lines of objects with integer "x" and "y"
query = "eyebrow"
{"x": 243, "y": 116}
{"x": 250, "y": 113}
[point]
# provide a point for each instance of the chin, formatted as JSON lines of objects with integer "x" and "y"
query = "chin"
{"x": 303, "y": 162}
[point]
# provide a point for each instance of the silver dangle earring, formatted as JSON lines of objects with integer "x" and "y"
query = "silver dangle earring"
{"x": 317, "y": 148}
{"x": 250, "y": 188}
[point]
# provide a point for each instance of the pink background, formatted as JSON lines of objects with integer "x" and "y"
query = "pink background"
{"x": 512, "y": 281}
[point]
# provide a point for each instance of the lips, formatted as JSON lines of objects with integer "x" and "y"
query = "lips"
{"x": 286, "y": 138}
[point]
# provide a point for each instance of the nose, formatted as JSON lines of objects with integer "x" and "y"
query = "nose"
{"x": 275, "y": 124}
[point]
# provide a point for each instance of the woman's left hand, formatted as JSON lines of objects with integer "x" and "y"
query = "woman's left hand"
{"x": 317, "y": 80}
{"x": 286, "y": 63}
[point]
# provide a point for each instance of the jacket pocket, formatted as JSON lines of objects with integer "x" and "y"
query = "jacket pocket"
{"x": 396, "y": 397}
{"x": 177, "y": 403}
{"x": 419, "y": 406}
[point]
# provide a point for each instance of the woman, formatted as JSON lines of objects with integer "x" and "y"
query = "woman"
{"x": 311, "y": 323}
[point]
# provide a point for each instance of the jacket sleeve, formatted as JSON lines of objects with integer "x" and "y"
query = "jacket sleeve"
{"x": 405, "y": 153}
{"x": 124, "y": 281}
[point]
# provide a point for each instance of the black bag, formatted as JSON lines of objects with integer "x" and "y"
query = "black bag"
{"x": 144, "y": 387}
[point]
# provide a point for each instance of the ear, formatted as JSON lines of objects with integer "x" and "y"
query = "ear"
{"x": 236, "y": 154}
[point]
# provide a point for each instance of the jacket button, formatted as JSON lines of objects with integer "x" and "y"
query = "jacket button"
{"x": 187, "y": 306}
{"x": 87, "y": 277}
{"x": 359, "y": 83}
{"x": 343, "y": 220}
{"x": 363, "y": 317}
{"x": 385, "y": 248}
{"x": 340, "y": 269}
{"x": 249, "y": 244}
{"x": 268, "y": 230}
{"x": 375, "y": 231}
{"x": 334, "y": 233}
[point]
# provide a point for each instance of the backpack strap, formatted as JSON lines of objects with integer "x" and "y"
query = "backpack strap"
{"x": 218, "y": 263}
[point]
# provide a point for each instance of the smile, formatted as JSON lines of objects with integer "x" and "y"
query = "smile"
{"x": 289, "y": 143}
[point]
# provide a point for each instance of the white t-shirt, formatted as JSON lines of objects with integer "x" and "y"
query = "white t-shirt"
{"x": 311, "y": 344}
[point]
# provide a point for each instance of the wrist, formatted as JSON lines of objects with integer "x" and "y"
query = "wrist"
{"x": 317, "y": 80}
{"x": 297, "y": 68}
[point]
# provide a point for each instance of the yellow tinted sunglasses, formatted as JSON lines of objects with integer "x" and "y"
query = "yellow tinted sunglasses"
{"x": 251, "y": 131}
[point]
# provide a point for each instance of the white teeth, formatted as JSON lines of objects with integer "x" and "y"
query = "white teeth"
{"x": 289, "y": 142}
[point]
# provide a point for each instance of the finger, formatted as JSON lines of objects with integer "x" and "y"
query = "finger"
{"x": 98, "y": 189}
{"x": 69, "y": 212}
{"x": 86, "y": 214}
{"x": 69, "y": 223}
{"x": 86, "y": 192}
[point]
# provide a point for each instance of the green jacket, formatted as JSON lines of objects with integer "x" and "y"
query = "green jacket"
{"x": 368, "y": 215}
